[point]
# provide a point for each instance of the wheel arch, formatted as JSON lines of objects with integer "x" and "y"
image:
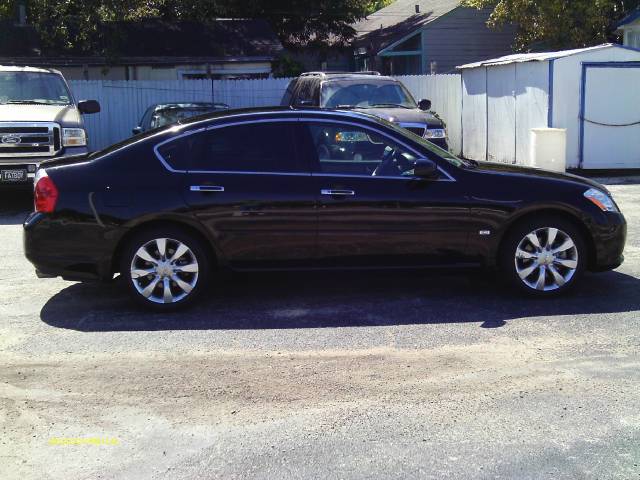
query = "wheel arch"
{"x": 190, "y": 227}
{"x": 557, "y": 212}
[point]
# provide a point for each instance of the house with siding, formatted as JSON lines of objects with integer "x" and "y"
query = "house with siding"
{"x": 629, "y": 27}
{"x": 412, "y": 37}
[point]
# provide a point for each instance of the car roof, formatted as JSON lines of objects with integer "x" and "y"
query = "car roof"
{"x": 280, "y": 112}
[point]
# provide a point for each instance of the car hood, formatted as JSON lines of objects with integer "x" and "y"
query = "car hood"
{"x": 403, "y": 115}
{"x": 509, "y": 169}
{"x": 65, "y": 115}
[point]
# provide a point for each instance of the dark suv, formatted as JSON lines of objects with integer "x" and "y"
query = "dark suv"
{"x": 369, "y": 92}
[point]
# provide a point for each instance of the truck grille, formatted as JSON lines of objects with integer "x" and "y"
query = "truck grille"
{"x": 29, "y": 139}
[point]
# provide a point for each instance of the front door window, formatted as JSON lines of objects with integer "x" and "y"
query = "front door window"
{"x": 349, "y": 150}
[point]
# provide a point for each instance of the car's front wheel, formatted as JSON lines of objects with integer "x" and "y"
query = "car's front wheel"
{"x": 544, "y": 257}
{"x": 165, "y": 269}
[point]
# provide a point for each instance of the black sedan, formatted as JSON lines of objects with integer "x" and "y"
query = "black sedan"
{"x": 283, "y": 189}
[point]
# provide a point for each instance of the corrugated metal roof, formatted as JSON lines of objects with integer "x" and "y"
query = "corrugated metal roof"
{"x": 536, "y": 57}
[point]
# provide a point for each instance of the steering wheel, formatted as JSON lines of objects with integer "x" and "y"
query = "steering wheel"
{"x": 392, "y": 164}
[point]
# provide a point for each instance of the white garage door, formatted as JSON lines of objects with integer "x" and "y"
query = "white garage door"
{"x": 611, "y": 120}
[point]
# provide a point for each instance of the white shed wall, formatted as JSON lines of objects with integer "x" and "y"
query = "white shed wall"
{"x": 567, "y": 86}
{"x": 501, "y": 113}
{"x": 501, "y": 104}
{"x": 474, "y": 113}
{"x": 532, "y": 105}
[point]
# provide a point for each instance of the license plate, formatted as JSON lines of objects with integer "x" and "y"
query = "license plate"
{"x": 13, "y": 175}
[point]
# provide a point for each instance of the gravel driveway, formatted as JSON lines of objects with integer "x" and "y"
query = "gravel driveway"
{"x": 350, "y": 375}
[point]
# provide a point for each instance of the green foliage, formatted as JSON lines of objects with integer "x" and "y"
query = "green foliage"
{"x": 558, "y": 24}
{"x": 70, "y": 26}
{"x": 375, "y": 5}
{"x": 286, "y": 67}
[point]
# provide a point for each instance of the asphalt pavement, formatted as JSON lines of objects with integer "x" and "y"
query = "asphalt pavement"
{"x": 398, "y": 375}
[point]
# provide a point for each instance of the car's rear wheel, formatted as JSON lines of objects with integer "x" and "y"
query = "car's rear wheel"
{"x": 544, "y": 257}
{"x": 165, "y": 269}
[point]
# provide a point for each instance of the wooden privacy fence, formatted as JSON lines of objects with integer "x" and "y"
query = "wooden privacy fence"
{"x": 124, "y": 102}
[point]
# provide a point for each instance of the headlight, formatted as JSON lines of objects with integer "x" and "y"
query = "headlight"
{"x": 603, "y": 201}
{"x": 435, "y": 133}
{"x": 74, "y": 137}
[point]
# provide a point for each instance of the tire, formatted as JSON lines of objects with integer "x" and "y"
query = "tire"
{"x": 543, "y": 270}
{"x": 173, "y": 282}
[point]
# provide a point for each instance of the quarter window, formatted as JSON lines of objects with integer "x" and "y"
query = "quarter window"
{"x": 349, "y": 150}
{"x": 177, "y": 153}
{"x": 257, "y": 147}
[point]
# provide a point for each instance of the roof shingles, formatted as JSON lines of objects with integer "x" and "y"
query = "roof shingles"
{"x": 398, "y": 20}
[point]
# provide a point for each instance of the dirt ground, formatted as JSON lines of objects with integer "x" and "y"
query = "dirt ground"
{"x": 395, "y": 375}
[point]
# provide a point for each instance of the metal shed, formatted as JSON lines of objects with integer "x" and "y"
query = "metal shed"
{"x": 593, "y": 93}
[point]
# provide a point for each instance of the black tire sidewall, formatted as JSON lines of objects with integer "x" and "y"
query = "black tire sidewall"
{"x": 176, "y": 233}
{"x": 509, "y": 246}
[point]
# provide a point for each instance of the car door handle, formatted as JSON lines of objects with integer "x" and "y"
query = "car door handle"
{"x": 340, "y": 193}
{"x": 206, "y": 188}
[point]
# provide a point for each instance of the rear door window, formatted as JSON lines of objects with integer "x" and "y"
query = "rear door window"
{"x": 256, "y": 147}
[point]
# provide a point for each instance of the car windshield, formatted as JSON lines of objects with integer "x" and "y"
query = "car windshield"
{"x": 33, "y": 88}
{"x": 365, "y": 94}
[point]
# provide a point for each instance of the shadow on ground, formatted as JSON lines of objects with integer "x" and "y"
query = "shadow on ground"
{"x": 15, "y": 204}
{"x": 338, "y": 299}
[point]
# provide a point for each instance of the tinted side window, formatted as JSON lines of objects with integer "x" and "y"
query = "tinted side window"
{"x": 258, "y": 147}
{"x": 177, "y": 153}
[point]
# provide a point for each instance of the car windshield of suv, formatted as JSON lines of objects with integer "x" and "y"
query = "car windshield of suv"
{"x": 365, "y": 94}
{"x": 33, "y": 88}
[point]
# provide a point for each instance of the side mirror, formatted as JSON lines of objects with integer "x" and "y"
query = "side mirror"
{"x": 424, "y": 105}
{"x": 137, "y": 130}
{"x": 88, "y": 107}
{"x": 425, "y": 168}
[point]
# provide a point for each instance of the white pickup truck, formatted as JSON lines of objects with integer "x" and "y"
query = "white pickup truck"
{"x": 39, "y": 120}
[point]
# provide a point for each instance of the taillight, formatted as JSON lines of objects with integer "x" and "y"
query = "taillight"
{"x": 45, "y": 193}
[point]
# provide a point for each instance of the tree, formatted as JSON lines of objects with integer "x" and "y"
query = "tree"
{"x": 71, "y": 26}
{"x": 558, "y": 24}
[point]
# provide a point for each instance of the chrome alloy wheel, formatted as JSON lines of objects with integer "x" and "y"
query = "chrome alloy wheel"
{"x": 546, "y": 259}
{"x": 164, "y": 270}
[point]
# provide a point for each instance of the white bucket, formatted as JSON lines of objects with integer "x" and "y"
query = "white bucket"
{"x": 549, "y": 149}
